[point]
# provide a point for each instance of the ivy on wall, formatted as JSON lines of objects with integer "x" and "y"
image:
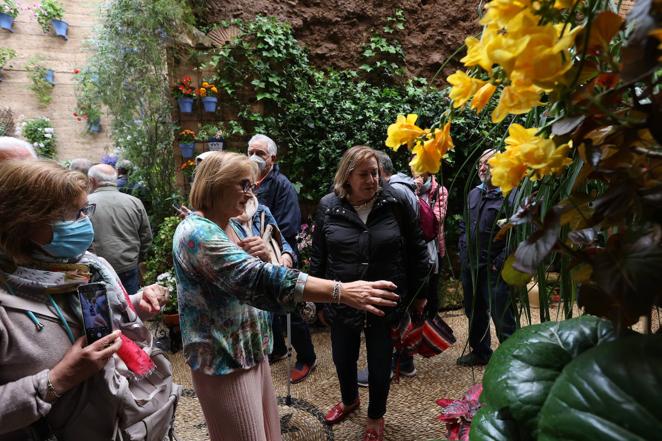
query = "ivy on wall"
{"x": 129, "y": 68}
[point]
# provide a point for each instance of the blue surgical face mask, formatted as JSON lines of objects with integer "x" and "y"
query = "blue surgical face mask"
{"x": 261, "y": 163}
{"x": 70, "y": 238}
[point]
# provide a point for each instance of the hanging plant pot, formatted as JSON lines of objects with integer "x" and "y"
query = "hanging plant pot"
{"x": 94, "y": 126}
{"x": 215, "y": 144}
{"x": 209, "y": 103}
{"x": 171, "y": 320}
{"x": 61, "y": 28}
{"x": 6, "y": 22}
{"x": 185, "y": 104}
{"x": 187, "y": 149}
{"x": 50, "y": 76}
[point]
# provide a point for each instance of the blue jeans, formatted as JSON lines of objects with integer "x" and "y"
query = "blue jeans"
{"x": 489, "y": 296}
{"x": 131, "y": 280}
{"x": 301, "y": 341}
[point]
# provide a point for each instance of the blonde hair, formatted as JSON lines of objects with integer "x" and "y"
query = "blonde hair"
{"x": 215, "y": 175}
{"x": 349, "y": 161}
{"x": 34, "y": 192}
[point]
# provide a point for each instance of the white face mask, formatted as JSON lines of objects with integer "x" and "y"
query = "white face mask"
{"x": 261, "y": 163}
{"x": 249, "y": 212}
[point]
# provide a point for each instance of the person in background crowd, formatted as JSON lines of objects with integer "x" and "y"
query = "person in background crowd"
{"x": 220, "y": 287}
{"x": 365, "y": 232}
{"x": 14, "y": 148}
{"x": 51, "y": 382}
{"x": 436, "y": 196}
{"x": 405, "y": 187}
{"x": 81, "y": 164}
{"x": 276, "y": 192}
{"x": 123, "y": 234}
{"x": 123, "y": 168}
{"x": 485, "y": 292}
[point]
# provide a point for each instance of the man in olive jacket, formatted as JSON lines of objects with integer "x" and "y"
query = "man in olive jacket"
{"x": 122, "y": 234}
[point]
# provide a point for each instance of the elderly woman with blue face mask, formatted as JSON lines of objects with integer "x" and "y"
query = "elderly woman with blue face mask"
{"x": 52, "y": 382}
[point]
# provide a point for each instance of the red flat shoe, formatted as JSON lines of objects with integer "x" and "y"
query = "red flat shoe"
{"x": 375, "y": 435}
{"x": 339, "y": 412}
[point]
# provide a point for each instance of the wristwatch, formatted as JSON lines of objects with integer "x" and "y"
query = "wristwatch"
{"x": 51, "y": 393}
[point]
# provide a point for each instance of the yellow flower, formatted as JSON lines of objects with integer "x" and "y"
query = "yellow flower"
{"x": 214, "y": 89}
{"x": 507, "y": 170}
{"x": 564, "y": 4}
{"x": 500, "y": 12}
{"x": 550, "y": 159}
{"x": 516, "y": 99}
{"x": 205, "y": 84}
{"x": 428, "y": 154}
{"x": 463, "y": 87}
{"x": 482, "y": 97}
{"x": 403, "y": 131}
{"x": 202, "y": 91}
{"x": 476, "y": 51}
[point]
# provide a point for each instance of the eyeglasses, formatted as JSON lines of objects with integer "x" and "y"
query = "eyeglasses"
{"x": 87, "y": 210}
{"x": 247, "y": 186}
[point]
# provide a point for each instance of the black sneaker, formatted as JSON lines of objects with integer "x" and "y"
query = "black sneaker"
{"x": 362, "y": 377}
{"x": 273, "y": 357}
{"x": 471, "y": 359}
{"x": 407, "y": 369}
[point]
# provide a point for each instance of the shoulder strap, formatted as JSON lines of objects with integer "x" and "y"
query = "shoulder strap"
{"x": 19, "y": 303}
{"x": 262, "y": 223}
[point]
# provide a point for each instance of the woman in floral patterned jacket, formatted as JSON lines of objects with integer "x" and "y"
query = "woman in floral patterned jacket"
{"x": 222, "y": 294}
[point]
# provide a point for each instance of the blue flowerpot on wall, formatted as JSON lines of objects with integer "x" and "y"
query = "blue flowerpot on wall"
{"x": 50, "y": 76}
{"x": 6, "y": 22}
{"x": 94, "y": 126}
{"x": 185, "y": 104}
{"x": 187, "y": 149}
{"x": 61, "y": 28}
{"x": 209, "y": 103}
{"x": 215, "y": 144}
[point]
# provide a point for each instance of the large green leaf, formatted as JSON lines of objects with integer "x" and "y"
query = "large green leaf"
{"x": 493, "y": 425}
{"x": 524, "y": 368}
{"x": 612, "y": 392}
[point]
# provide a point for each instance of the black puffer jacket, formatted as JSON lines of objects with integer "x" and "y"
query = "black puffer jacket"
{"x": 388, "y": 247}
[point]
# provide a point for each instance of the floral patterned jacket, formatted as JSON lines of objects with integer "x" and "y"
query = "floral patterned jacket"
{"x": 220, "y": 289}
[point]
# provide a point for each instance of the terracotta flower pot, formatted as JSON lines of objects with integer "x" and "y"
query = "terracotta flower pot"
{"x": 171, "y": 320}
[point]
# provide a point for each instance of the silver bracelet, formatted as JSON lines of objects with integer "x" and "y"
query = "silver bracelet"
{"x": 337, "y": 291}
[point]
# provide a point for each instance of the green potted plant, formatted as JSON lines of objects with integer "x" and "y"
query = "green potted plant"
{"x": 208, "y": 94}
{"x": 6, "y": 54}
{"x": 170, "y": 311}
{"x": 211, "y": 134}
{"x": 49, "y": 15}
{"x": 187, "y": 143}
{"x": 88, "y": 98}
{"x": 40, "y": 133}
{"x": 42, "y": 81}
{"x": 8, "y": 12}
{"x": 184, "y": 93}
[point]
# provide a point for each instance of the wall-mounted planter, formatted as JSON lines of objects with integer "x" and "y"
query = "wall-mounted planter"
{"x": 209, "y": 103}
{"x": 61, "y": 28}
{"x": 215, "y": 144}
{"x": 7, "y": 22}
{"x": 187, "y": 148}
{"x": 185, "y": 104}
{"x": 94, "y": 127}
{"x": 50, "y": 76}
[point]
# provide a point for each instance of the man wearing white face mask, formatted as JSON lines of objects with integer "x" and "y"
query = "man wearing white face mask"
{"x": 485, "y": 292}
{"x": 276, "y": 192}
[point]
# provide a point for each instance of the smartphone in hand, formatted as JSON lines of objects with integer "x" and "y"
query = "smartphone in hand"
{"x": 96, "y": 311}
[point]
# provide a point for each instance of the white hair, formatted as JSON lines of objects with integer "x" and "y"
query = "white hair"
{"x": 272, "y": 148}
{"x": 80, "y": 164}
{"x": 101, "y": 177}
{"x": 8, "y": 143}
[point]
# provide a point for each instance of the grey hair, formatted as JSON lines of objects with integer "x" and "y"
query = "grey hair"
{"x": 385, "y": 162}
{"x": 272, "y": 148}
{"x": 80, "y": 164}
{"x": 100, "y": 177}
{"x": 10, "y": 143}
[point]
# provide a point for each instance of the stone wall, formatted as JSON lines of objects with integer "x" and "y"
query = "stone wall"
{"x": 63, "y": 57}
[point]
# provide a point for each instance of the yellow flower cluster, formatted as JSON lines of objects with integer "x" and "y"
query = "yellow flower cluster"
{"x": 207, "y": 89}
{"x": 526, "y": 154}
{"x": 533, "y": 58}
{"x": 427, "y": 146}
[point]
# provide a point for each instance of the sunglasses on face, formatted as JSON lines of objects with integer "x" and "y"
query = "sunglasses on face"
{"x": 87, "y": 210}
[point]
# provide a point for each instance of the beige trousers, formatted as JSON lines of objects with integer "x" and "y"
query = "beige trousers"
{"x": 240, "y": 406}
